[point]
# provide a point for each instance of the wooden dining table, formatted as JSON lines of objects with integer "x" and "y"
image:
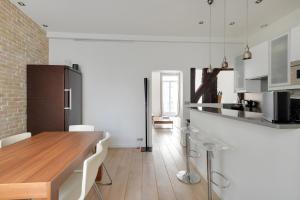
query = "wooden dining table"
{"x": 35, "y": 168}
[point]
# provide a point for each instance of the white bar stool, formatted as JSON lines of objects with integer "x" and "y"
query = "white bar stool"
{"x": 187, "y": 176}
{"x": 211, "y": 145}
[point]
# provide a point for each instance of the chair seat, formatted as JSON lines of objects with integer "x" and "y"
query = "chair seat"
{"x": 71, "y": 188}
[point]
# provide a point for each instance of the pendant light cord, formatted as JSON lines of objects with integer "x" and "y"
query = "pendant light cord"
{"x": 209, "y": 35}
{"x": 247, "y": 18}
{"x": 224, "y": 28}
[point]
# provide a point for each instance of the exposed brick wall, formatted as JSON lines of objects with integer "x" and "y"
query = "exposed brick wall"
{"x": 22, "y": 42}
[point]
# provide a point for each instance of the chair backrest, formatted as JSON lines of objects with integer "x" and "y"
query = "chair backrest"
{"x": 83, "y": 128}
{"x": 14, "y": 138}
{"x": 105, "y": 143}
{"x": 90, "y": 170}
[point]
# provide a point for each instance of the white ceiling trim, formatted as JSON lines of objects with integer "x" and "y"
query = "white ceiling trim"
{"x": 139, "y": 38}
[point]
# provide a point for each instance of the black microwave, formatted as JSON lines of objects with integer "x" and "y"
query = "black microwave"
{"x": 276, "y": 106}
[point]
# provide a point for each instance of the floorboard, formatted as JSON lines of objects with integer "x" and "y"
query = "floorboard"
{"x": 134, "y": 184}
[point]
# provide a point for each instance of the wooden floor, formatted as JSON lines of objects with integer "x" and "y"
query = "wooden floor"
{"x": 150, "y": 176}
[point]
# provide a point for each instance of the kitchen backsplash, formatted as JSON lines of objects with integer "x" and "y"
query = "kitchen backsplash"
{"x": 258, "y": 97}
{"x": 255, "y": 97}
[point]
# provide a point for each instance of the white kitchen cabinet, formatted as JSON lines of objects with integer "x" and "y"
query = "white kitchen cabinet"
{"x": 279, "y": 68}
{"x": 257, "y": 67}
{"x": 295, "y": 44}
{"x": 239, "y": 72}
{"x": 241, "y": 84}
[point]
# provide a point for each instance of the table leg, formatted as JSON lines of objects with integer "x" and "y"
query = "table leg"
{"x": 100, "y": 173}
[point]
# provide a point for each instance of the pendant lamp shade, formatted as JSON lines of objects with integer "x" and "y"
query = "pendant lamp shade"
{"x": 224, "y": 63}
{"x": 247, "y": 54}
{"x": 210, "y": 69}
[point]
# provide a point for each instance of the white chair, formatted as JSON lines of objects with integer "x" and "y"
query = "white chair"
{"x": 14, "y": 139}
{"x": 83, "y": 128}
{"x": 105, "y": 144}
{"x": 70, "y": 190}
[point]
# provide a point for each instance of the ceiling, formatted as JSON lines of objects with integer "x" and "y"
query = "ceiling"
{"x": 153, "y": 17}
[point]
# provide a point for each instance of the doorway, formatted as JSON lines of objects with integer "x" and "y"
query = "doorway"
{"x": 170, "y": 95}
{"x": 166, "y": 99}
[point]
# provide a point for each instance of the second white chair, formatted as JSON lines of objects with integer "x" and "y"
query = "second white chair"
{"x": 83, "y": 128}
{"x": 70, "y": 190}
{"x": 14, "y": 139}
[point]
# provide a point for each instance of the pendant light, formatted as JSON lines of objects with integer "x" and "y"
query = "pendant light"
{"x": 210, "y": 69}
{"x": 247, "y": 54}
{"x": 224, "y": 63}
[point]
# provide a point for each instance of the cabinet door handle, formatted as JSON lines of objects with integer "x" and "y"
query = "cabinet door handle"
{"x": 70, "y": 99}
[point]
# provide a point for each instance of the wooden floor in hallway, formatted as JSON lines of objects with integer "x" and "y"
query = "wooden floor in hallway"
{"x": 150, "y": 176}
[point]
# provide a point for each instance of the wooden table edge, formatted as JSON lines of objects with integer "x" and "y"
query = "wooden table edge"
{"x": 38, "y": 190}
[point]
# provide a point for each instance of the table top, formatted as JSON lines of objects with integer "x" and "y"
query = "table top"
{"x": 46, "y": 158}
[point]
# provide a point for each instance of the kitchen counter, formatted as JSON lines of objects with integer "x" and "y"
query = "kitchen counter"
{"x": 264, "y": 157}
{"x": 246, "y": 116}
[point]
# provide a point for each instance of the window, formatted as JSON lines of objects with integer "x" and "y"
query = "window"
{"x": 170, "y": 94}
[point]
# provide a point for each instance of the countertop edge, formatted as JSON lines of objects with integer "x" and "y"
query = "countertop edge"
{"x": 258, "y": 121}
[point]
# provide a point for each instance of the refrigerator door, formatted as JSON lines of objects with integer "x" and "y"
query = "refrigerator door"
{"x": 73, "y": 98}
{"x": 45, "y": 98}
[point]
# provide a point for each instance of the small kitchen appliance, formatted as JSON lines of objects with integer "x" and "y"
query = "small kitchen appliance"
{"x": 295, "y": 73}
{"x": 276, "y": 106}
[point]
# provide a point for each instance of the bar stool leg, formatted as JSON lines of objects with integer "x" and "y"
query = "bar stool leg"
{"x": 187, "y": 176}
{"x": 209, "y": 155}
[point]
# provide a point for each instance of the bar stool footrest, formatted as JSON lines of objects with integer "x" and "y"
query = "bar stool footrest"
{"x": 194, "y": 154}
{"x": 224, "y": 178}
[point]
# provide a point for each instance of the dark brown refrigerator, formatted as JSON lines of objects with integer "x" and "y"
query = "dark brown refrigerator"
{"x": 54, "y": 98}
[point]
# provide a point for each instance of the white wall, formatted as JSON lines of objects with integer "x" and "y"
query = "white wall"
{"x": 156, "y": 105}
{"x": 281, "y": 26}
{"x": 113, "y": 73}
{"x": 226, "y": 86}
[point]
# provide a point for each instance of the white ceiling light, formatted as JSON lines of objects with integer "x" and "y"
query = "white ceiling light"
{"x": 232, "y": 23}
{"x": 264, "y": 25}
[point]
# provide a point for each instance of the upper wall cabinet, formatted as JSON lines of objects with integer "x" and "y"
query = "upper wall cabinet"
{"x": 295, "y": 44}
{"x": 279, "y": 70}
{"x": 257, "y": 67}
{"x": 239, "y": 74}
{"x": 242, "y": 85}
